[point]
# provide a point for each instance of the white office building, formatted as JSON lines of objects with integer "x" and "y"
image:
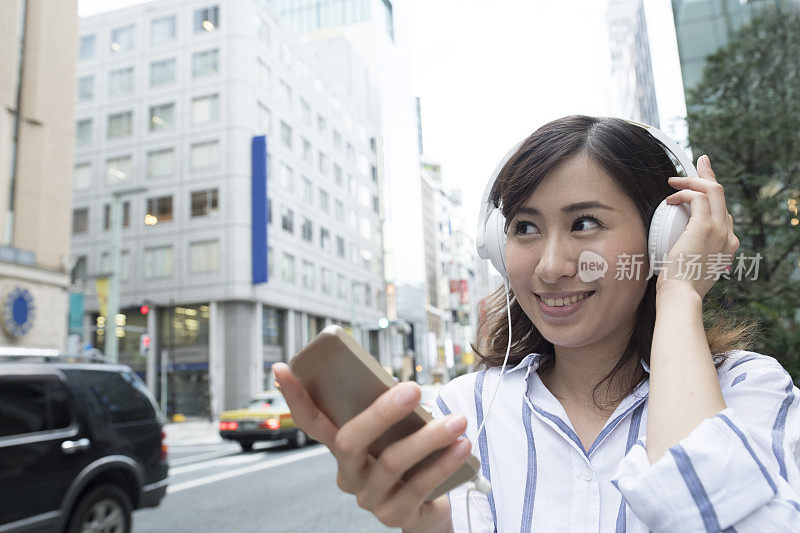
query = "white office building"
{"x": 260, "y": 218}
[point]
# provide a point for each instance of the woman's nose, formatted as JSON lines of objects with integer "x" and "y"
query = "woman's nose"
{"x": 556, "y": 261}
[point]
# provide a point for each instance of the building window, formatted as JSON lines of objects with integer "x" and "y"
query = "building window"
{"x": 286, "y": 134}
{"x": 357, "y": 292}
{"x": 205, "y": 63}
{"x": 124, "y": 264}
{"x": 305, "y": 111}
{"x": 272, "y": 326}
{"x": 79, "y": 271}
{"x": 120, "y": 125}
{"x": 162, "y": 117}
{"x": 264, "y": 32}
{"x": 308, "y": 191}
{"x": 286, "y": 93}
{"x": 325, "y": 239}
{"x": 204, "y": 202}
{"x": 337, "y": 139}
{"x": 287, "y": 219}
{"x": 122, "y": 39}
{"x": 204, "y": 155}
{"x": 322, "y": 163}
{"x": 118, "y": 169}
{"x": 339, "y": 211}
{"x": 374, "y": 173}
{"x": 162, "y": 30}
{"x": 309, "y": 275}
{"x": 206, "y": 19}
{"x": 341, "y": 290}
{"x": 264, "y": 75}
{"x": 287, "y": 177}
{"x": 340, "y": 248}
{"x": 205, "y": 109}
{"x": 82, "y": 176}
{"x": 322, "y": 126}
{"x": 204, "y": 257}
{"x": 376, "y": 205}
{"x": 307, "y": 230}
{"x": 83, "y": 132}
{"x": 126, "y": 215}
{"x": 337, "y": 174}
{"x": 120, "y": 81}
{"x": 327, "y": 281}
{"x": 157, "y": 262}
{"x": 80, "y": 220}
{"x": 263, "y": 118}
{"x": 270, "y": 263}
{"x": 86, "y": 47}
{"x": 160, "y": 163}
{"x": 287, "y": 268}
{"x": 158, "y": 210}
{"x": 324, "y": 201}
{"x": 306, "y": 151}
{"x": 86, "y": 89}
{"x": 162, "y": 72}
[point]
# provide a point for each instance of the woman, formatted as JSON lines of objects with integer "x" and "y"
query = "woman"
{"x": 613, "y": 415}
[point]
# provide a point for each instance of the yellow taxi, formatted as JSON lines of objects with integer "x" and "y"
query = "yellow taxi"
{"x": 266, "y": 416}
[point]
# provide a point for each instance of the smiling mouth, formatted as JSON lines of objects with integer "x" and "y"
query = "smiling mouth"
{"x": 562, "y": 302}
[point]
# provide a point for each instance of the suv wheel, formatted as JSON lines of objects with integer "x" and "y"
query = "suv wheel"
{"x": 300, "y": 439}
{"x": 105, "y": 508}
{"x": 246, "y": 445}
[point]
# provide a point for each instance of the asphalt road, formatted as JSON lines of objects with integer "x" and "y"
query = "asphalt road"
{"x": 214, "y": 486}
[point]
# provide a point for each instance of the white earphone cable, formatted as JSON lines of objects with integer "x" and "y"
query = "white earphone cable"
{"x": 473, "y": 486}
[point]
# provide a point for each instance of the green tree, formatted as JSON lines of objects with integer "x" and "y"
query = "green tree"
{"x": 745, "y": 114}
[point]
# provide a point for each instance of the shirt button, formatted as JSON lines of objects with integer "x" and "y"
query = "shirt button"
{"x": 587, "y": 475}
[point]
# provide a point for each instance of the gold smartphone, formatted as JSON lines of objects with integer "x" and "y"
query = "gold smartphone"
{"x": 343, "y": 380}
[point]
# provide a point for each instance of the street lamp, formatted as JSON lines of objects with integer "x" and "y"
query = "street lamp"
{"x": 111, "y": 342}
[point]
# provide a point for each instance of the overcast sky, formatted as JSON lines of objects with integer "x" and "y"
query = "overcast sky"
{"x": 490, "y": 72}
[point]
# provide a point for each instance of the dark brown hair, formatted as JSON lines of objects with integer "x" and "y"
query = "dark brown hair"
{"x": 640, "y": 166}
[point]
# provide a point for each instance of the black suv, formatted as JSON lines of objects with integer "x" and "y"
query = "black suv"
{"x": 81, "y": 446}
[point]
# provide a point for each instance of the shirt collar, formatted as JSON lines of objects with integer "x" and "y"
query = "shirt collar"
{"x": 534, "y": 360}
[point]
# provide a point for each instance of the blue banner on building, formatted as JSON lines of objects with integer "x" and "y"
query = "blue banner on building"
{"x": 260, "y": 208}
{"x": 76, "y": 312}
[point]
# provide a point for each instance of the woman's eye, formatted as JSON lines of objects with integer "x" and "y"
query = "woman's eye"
{"x": 593, "y": 222}
{"x": 524, "y": 228}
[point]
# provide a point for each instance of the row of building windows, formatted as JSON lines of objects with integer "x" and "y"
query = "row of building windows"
{"x": 163, "y": 30}
{"x": 204, "y": 109}
{"x": 161, "y": 163}
{"x": 159, "y": 209}
{"x": 122, "y": 81}
{"x": 158, "y": 262}
{"x": 359, "y": 292}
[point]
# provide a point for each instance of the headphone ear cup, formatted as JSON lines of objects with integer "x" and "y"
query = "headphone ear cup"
{"x": 667, "y": 225}
{"x": 656, "y": 230}
{"x": 495, "y": 241}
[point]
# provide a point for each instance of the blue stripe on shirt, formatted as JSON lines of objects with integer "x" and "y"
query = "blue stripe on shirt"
{"x": 443, "y": 406}
{"x": 779, "y": 426}
{"x": 750, "y": 450}
{"x": 562, "y": 426}
{"x": 530, "y": 480}
{"x": 744, "y": 359}
{"x": 482, "y": 442}
{"x": 611, "y": 426}
{"x": 633, "y": 434}
{"x": 696, "y": 489}
{"x": 738, "y": 379}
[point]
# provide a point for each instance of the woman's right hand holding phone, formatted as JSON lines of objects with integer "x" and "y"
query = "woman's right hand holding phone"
{"x": 377, "y": 483}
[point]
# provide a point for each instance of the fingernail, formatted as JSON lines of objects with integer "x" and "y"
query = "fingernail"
{"x": 405, "y": 395}
{"x": 456, "y": 424}
{"x": 461, "y": 449}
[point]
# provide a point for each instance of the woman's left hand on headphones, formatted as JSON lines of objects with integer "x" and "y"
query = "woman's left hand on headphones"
{"x": 708, "y": 241}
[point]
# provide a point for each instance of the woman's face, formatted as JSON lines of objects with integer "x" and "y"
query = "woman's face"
{"x": 546, "y": 239}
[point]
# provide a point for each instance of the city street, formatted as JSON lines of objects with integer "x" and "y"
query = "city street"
{"x": 214, "y": 486}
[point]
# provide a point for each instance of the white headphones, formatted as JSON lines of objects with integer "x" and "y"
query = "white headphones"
{"x": 667, "y": 224}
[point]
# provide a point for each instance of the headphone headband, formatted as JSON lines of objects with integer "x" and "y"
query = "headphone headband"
{"x": 491, "y": 223}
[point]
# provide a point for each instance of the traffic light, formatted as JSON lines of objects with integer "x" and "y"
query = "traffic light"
{"x": 144, "y": 344}
{"x": 144, "y": 309}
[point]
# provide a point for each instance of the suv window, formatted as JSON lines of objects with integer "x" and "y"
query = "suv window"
{"x": 121, "y": 394}
{"x": 32, "y": 403}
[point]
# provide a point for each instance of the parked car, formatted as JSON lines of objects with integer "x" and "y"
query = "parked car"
{"x": 81, "y": 446}
{"x": 266, "y": 416}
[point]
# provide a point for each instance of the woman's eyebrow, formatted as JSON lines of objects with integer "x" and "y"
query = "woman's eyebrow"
{"x": 579, "y": 206}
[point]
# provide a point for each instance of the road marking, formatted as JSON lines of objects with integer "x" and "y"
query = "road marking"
{"x": 246, "y": 470}
{"x": 224, "y": 461}
{"x": 200, "y": 457}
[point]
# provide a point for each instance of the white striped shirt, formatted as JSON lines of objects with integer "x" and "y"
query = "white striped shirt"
{"x": 736, "y": 471}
